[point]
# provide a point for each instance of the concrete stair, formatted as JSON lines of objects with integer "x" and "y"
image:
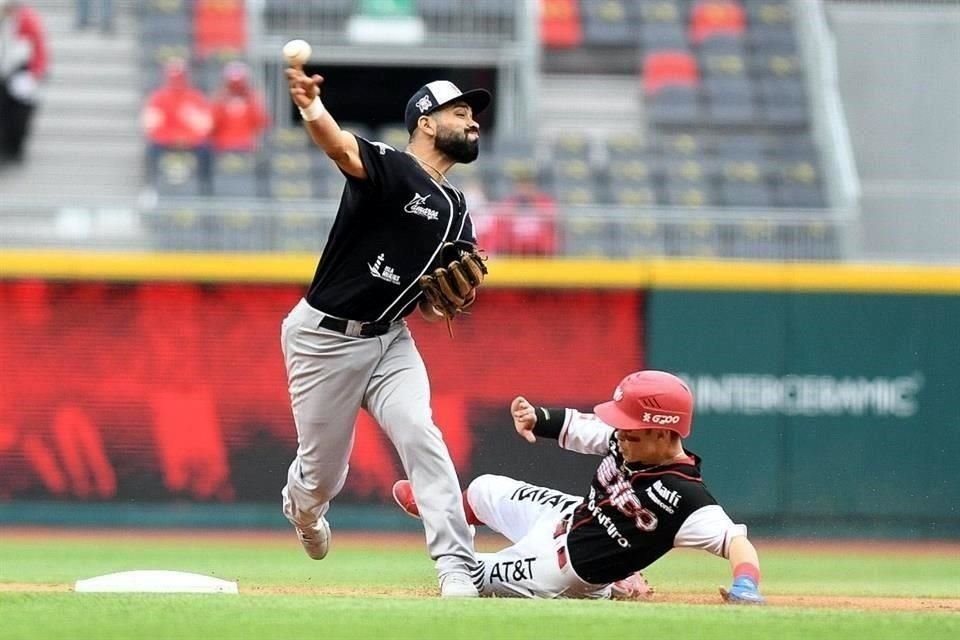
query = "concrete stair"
{"x": 86, "y": 146}
{"x": 596, "y": 105}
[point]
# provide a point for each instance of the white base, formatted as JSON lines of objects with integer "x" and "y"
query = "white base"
{"x": 154, "y": 582}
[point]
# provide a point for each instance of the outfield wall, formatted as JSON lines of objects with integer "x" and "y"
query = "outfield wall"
{"x": 826, "y": 394}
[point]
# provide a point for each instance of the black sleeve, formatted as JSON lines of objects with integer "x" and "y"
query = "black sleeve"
{"x": 379, "y": 160}
{"x": 549, "y": 422}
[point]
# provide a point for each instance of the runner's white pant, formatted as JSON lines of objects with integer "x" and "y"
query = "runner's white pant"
{"x": 528, "y": 516}
{"x": 331, "y": 376}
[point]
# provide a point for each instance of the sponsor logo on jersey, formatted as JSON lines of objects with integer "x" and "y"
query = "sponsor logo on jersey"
{"x": 660, "y": 418}
{"x": 663, "y": 497}
{"x": 380, "y": 270}
{"x": 383, "y": 147}
{"x": 417, "y": 207}
{"x": 424, "y": 104}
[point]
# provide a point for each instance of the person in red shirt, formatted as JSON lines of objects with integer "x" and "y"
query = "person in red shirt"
{"x": 525, "y": 221}
{"x": 23, "y": 66}
{"x": 177, "y": 117}
{"x": 239, "y": 116}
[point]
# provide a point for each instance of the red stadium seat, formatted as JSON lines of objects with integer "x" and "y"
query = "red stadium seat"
{"x": 560, "y": 26}
{"x": 669, "y": 68}
{"x": 219, "y": 28}
{"x": 716, "y": 17}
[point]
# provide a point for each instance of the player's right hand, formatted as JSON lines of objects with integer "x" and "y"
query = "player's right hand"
{"x": 303, "y": 89}
{"x": 524, "y": 418}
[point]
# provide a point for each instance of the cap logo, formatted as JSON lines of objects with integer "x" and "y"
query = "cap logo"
{"x": 617, "y": 394}
{"x": 424, "y": 104}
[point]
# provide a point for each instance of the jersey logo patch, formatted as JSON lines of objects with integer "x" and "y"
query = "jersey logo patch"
{"x": 663, "y": 497}
{"x": 417, "y": 208}
{"x": 383, "y": 147}
{"x": 380, "y": 270}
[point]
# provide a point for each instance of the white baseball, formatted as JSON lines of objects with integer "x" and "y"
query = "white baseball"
{"x": 297, "y": 52}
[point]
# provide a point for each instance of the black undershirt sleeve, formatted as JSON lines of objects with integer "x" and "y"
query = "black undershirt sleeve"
{"x": 549, "y": 422}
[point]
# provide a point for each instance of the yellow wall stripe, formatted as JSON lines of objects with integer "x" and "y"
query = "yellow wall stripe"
{"x": 533, "y": 273}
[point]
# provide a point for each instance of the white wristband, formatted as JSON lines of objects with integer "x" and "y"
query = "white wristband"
{"x": 313, "y": 111}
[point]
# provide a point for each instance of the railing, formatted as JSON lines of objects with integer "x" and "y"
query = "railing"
{"x": 303, "y": 225}
{"x": 829, "y": 121}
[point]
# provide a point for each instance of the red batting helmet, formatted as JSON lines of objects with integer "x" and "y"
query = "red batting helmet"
{"x": 649, "y": 400}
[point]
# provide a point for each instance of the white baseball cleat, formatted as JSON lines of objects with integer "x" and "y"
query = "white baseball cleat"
{"x": 315, "y": 538}
{"x": 457, "y": 585}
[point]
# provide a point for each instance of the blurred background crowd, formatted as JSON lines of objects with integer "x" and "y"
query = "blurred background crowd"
{"x": 782, "y": 129}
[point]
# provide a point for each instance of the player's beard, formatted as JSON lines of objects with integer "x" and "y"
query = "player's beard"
{"x": 455, "y": 144}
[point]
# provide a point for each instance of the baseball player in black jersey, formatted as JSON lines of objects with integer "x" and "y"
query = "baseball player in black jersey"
{"x": 346, "y": 344}
{"x": 646, "y": 498}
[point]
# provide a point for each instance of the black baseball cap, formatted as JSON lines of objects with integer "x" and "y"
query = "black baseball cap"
{"x": 438, "y": 94}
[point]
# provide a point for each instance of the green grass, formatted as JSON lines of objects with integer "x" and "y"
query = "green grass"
{"x": 276, "y": 566}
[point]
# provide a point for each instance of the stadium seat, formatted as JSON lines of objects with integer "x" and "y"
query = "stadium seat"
{"x": 577, "y": 193}
{"x": 639, "y": 237}
{"x": 560, "y": 25}
{"x": 609, "y": 23}
{"x": 300, "y": 231}
{"x": 769, "y": 12}
{"x": 729, "y": 101}
{"x": 723, "y": 45}
{"x": 178, "y": 174}
{"x": 658, "y": 36}
{"x": 748, "y": 147}
{"x": 571, "y": 145}
{"x": 674, "y": 106}
{"x": 773, "y": 39}
{"x": 288, "y": 139}
{"x": 219, "y": 28}
{"x": 743, "y": 185}
{"x": 290, "y": 188}
{"x": 179, "y": 229}
{"x": 634, "y": 171}
{"x": 587, "y": 236}
{"x": 695, "y": 238}
{"x": 624, "y": 145}
{"x": 241, "y": 230}
{"x": 290, "y": 164}
{"x": 632, "y": 195}
{"x": 681, "y": 145}
{"x": 783, "y": 102}
{"x": 757, "y": 240}
{"x": 663, "y": 69}
{"x": 235, "y": 175}
{"x": 660, "y": 11}
{"x": 688, "y": 194}
{"x": 710, "y": 17}
{"x": 723, "y": 64}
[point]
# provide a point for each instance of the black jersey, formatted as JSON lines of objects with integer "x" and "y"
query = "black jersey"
{"x": 387, "y": 233}
{"x": 632, "y": 514}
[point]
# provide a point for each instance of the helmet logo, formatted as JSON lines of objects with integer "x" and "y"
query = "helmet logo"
{"x": 617, "y": 394}
{"x": 659, "y": 418}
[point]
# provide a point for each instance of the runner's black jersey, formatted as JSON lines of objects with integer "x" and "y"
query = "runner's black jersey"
{"x": 633, "y": 513}
{"x": 387, "y": 233}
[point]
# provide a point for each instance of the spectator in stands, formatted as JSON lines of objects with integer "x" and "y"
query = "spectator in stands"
{"x": 23, "y": 66}
{"x": 104, "y": 16}
{"x": 239, "y": 116}
{"x": 525, "y": 222}
{"x": 178, "y": 117}
{"x": 716, "y": 17}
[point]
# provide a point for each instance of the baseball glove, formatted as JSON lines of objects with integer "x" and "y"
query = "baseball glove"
{"x": 452, "y": 288}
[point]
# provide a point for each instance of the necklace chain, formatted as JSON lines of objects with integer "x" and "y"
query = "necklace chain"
{"x": 426, "y": 164}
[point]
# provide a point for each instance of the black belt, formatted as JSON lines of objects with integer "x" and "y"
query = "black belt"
{"x": 355, "y": 328}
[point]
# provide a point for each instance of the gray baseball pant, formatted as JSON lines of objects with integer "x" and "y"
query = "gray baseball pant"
{"x": 331, "y": 376}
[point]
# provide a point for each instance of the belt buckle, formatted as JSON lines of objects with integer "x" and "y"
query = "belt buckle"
{"x": 354, "y": 329}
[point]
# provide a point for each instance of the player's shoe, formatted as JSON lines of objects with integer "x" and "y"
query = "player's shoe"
{"x": 633, "y": 587}
{"x": 403, "y": 495}
{"x": 457, "y": 585}
{"x": 315, "y": 538}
